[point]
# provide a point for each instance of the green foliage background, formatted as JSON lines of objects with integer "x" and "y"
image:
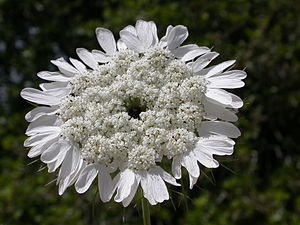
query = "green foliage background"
{"x": 259, "y": 184}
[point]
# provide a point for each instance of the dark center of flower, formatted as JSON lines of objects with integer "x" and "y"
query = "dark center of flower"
{"x": 134, "y": 107}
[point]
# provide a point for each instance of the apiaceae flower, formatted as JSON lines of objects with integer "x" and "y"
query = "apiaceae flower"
{"x": 117, "y": 113}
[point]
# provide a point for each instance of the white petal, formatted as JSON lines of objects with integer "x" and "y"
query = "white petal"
{"x": 237, "y": 102}
{"x": 43, "y": 129}
{"x": 190, "y": 163}
{"x": 214, "y": 108}
{"x": 144, "y": 32}
{"x": 39, "y": 149}
{"x": 74, "y": 176}
{"x": 100, "y": 56}
{"x": 217, "y": 145}
{"x": 133, "y": 190}
{"x": 154, "y": 33}
{"x": 222, "y": 82}
{"x": 59, "y": 92}
{"x": 218, "y": 127}
{"x": 164, "y": 40}
{"x": 52, "y": 153}
{"x": 124, "y": 185}
{"x": 121, "y": 45}
{"x": 56, "y": 89}
{"x": 65, "y": 182}
{"x": 193, "y": 180}
{"x": 41, "y": 124}
{"x": 87, "y": 57}
{"x": 176, "y": 166}
{"x": 54, "y": 76}
{"x": 131, "y": 41}
{"x": 203, "y": 61}
{"x": 86, "y": 177}
{"x": 78, "y": 65}
{"x": 233, "y": 74}
{"x": 182, "y": 50}
{"x": 195, "y": 53}
{"x": 219, "y": 95}
{"x": 39, "y": 97}
{"x": 55, "y": 164}
{"x": 106, "y": 184}
{"x": 164, "y": 175}
{"x": 70, "y": 163}
{"x": 220, "y": 67}
{"x": 40, "y": 111}
{"x": 205, "y": 158}
{"x": 203, "y": 71}
{"x": 39, "y": 139}
{"x": 147, "y": 186}
{"x": 56, "y": 85}
{"x": 154, "y": 188}
{"x": 106, "y": 40}
{"x": 130, "y": 29}
{"x": 177, "y": 36}
{"x": 64, "y": 66}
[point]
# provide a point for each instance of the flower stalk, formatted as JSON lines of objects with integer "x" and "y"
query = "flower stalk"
{"x": 145, "y": 210}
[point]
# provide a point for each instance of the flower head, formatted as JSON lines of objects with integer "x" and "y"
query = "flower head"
{"x": 126, "y": 108}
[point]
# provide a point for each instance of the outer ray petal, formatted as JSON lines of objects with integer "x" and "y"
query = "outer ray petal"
{"x": 106, "y": 184}
{"x": 218, "y": 127}
{"x": 203, "y": 61}
{"x": 144, "y": 32}
{"x": 87, "y": 57}
{"x": 154, "y": 33}
{"x": 106, "y": 40}
{"x": 190, "y": 163}
{"x": 127, "y": 178}
{"x": 70, "y": 164}
{"x": 176, "y": 166}
{"x": 219, "y": 68}
{"x": 39, "y": 97}
{"x": 64, "y": 66}
{"x": 164, "y": 175}
{"x": 131, "y": 41}
{"x": 65, "y": 182}
{"x": 177, "y": 36}
{"x": 216, "y": 109}
{"x": 194, "y": 53}
{"x": 154, "y": 188}
{"x": 40, "y": 148}
{"x": 78, "y": 65}
{"x": 133, "y": 190}
{"x": 39, "y": 139}
{"x": 100, "y": 56}
{"x": 86, "y": 178}
{"x": 54, "y": 76}
{"x": 40, "y": 111}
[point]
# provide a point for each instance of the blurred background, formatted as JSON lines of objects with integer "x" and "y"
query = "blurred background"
{"x": 259, "y": 184}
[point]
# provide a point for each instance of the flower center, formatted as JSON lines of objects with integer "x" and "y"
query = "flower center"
{"x": 134, "y": 110}
{"x": 134, "y": 107}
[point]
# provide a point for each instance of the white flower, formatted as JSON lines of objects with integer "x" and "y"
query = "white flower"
{"x": 139, "y": 101}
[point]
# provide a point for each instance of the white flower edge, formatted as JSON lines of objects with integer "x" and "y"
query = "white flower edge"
{"x": 206, "y": 147}
{"x": 126, "y": 183}
{"x": 151, "y": 181}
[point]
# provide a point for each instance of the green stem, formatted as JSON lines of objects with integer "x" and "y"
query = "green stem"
{"x": 146, "y": 210}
